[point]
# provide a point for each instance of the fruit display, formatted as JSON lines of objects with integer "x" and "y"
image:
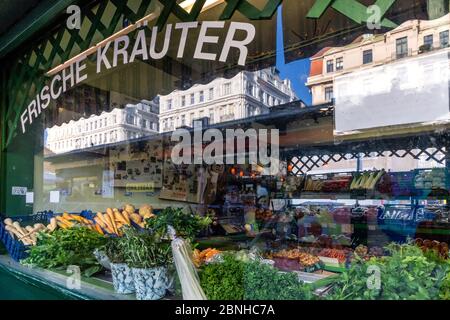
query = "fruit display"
{"x": 340, "y": 255}
{"x": 430, "y": 179}
{"x": 27, "y": 234}
{"x": 367, "y": 180}
{"x": 342, "y": 215}
{"x": 396, "y": 184}
{"x": 376, "y": 252}
{"x": 201, "y": 257}
{"x": 305, "y": 259}
{"x": 361, "y": 251}
{"x": 338, "y": 183}
{"x": 313, "y": 184}
{"x": 441, "y": 248}
{"x": 263, "y": 214}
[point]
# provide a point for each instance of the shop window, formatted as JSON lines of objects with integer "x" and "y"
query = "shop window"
{"x": 367, "y": 56}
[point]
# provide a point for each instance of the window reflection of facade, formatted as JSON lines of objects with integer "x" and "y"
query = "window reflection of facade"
{"x": 134, "y": 121}
{"x": 247, "y": 94}
{"x": 409, "y": 39}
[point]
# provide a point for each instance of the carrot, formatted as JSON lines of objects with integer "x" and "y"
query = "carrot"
{"x": 119, "y": 217}
{"x": 99, "y": 230}
{"x": 99, "y": 222}
{"x": 111, "y": 223}
{"x": 126, "y": 216}
{"x": 64, "y": 221}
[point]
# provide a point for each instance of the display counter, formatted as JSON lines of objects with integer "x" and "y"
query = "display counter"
{"x": 90, "y": 288}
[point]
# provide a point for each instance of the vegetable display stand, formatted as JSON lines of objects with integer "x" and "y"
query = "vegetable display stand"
{"x": 16, "y": 249}
{"x": 122, "y": 277}
{"x": 150, "y": 284}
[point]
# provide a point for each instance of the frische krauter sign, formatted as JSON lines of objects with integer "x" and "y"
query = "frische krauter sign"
{"x": 144, "y": 48}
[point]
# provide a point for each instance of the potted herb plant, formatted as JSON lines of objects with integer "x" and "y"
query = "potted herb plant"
{"x": 186, "y": 225}
{"x": 149, "y": 258}
{"x": 121, "y": 273}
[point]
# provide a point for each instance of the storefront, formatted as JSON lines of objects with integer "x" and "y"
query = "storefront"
{"x": 309, "y": 137}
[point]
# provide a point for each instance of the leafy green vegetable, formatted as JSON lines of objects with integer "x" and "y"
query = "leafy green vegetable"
{"x": 224, "y": 280}
{"x": 264, "y": 282}
{"x": 144, "y": 250}
{"x": 114, "y": 250}
{"x": 404, "y": 275}
{"x": 66, "y": 247}
{"x": 445, "y": 288}
{"x": 187, "y": 225}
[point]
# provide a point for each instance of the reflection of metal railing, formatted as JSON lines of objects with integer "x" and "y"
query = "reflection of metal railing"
{"x": 433, "y": 46}
{"x": 227, "y": 117}
{"x": 403, "y": 54}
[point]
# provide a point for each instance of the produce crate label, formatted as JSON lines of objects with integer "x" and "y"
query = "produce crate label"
{"x": 19, "y": 191}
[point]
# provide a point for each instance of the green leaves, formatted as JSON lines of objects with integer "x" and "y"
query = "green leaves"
{"x": 65, "y": 247}
{"x": 404, "y": 275}
{"x": 144, "y": 250}
{"x": 186, "y": 225}
{"x": 223, "y": 281}
{"x": 238, "y": 280}
{"x": 264, "y": 282}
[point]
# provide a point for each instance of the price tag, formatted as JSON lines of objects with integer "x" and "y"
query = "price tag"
{"x": 372, "y": 227}
{"x": 332, "y": 225}
{"x": 330, "y": 261}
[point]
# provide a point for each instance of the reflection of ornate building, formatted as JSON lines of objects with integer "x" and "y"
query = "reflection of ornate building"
{"x": 247, "y": 94}
{"x": 133, "y": 121}
{"x": 411, "y": 38}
